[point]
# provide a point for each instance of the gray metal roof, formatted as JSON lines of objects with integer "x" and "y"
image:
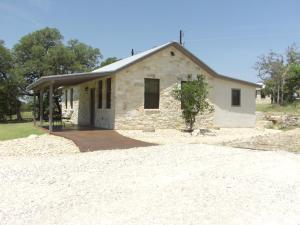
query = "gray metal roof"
{"x": 129, "y": 60}
{"x": 76, "y": 78}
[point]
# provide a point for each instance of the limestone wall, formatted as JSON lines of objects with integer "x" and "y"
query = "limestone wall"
{"x": 104, "y": 117}
{"x": 171, "y": 70}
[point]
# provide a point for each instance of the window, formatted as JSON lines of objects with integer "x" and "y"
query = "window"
{"x": 100, "y": 89}
{"x": 151, "y": 95}
{"x": 66, "y": 98}
{"x": 182, "y": 83}
{"x": 108, "y": 93}
{"x": 235, "y": 97}
{"x": 71, "y": 98}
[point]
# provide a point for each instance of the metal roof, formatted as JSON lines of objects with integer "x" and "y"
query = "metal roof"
{"x": 129, "y": 60}
{"x": 76, "y": 78}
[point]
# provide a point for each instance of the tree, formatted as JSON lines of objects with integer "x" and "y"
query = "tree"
{"x": 108, "y": 61}
{"x": 279, "y": 73}
{"x": 292, "y": 84}
{"x": 60, "y": 60}
{"x": 193, "y": 96}
{"x": 9, "y": 83}
{"x": 43, "y": 53}
{"x": 270, "y": 67}
{"x": 86, "y": 57}
{"x": 31, "y": 54}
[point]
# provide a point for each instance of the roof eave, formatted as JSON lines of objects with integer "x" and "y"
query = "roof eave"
{"x": 238, "y": 80}
{"x": 62, "y": 77}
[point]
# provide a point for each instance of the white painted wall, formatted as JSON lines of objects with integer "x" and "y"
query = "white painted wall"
{"x": 227, "y": 115}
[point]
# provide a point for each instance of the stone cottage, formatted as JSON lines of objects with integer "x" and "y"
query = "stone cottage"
{"x": 135, "y": 92}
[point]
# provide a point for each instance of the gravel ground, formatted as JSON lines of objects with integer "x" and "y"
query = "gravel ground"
{"x": 37, "y": 145}
{"x": 172, "y": 136}
{"x": 169, "y": 184}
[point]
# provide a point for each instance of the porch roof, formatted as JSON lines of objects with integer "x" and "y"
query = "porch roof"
{"x": 66, "y": 79}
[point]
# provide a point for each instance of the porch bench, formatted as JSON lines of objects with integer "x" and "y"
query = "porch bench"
{"x": 66, "y": 117}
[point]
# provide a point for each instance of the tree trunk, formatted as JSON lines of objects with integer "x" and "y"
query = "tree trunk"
{"x": 282, "y": 89}
{"x": 38, "y": 107}
{"x": 278, "y": 94}
{"x": 18, "y": 110}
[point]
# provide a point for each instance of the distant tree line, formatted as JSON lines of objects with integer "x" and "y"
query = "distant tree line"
{"x": 40, "y": 53}
{"x": 280, "y": 74}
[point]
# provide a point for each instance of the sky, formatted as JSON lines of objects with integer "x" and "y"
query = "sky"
{"x": 227, "y": 35}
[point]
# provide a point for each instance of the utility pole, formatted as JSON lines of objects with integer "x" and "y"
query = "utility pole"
{"x": 181, "y": 38}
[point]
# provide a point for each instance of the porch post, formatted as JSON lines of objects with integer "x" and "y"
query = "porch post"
{"x": 41, "y": 107}
{"x": 34, "y": 108}
{"x": 51, "y": 108}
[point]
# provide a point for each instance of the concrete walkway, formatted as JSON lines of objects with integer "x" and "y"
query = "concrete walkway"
{"x": 93, "y": 140}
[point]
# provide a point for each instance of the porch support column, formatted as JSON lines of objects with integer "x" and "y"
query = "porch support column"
{"x": 41, "y": 107}
{"x": 34, "y": 108}
{"x": 51, "y": 107}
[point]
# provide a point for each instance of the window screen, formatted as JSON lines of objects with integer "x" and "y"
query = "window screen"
{"x": 151, "y": 95}
{"x": 235, "y": 97}
{"x": 108, "y": 93}
{"x": 100, "y": 90}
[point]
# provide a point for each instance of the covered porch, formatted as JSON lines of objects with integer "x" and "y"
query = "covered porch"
{"x": 47, "y": 86}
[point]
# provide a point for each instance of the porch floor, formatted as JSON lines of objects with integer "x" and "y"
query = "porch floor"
{"x": 92, "y": 139}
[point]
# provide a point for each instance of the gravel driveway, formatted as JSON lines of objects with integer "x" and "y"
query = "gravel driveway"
{"x": 169, "y": 184}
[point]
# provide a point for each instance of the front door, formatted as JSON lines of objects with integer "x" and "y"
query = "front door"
{"x": 92, "y": 107}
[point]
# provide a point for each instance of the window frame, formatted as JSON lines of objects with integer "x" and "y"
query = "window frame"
{"x": 240, "y": 94}
{"x": 108, "y": 93}
{"x": 100, "y": 94}
{"x": 145, "y": 94}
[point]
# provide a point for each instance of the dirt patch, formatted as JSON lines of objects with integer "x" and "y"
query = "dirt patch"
{"x": 95, "y": 140}
{"x": 213, "y": 136}
{"x": 286, "y": 140}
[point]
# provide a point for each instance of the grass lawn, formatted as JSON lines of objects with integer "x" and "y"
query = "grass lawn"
{"x": 291, "y": 108}
{"x": 26, "y": 115}
{"x": 18, "y": 130}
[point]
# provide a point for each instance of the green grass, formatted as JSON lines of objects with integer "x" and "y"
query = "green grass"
{"x": 18, "y": 130}
{"x": 290, "y": 108}
{"x": 27, "y": 115}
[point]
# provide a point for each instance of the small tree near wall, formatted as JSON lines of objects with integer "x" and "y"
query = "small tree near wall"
{"x": 193, "y": 95}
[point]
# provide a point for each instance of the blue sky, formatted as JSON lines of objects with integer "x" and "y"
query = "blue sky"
{"x": 227, "y": 35}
